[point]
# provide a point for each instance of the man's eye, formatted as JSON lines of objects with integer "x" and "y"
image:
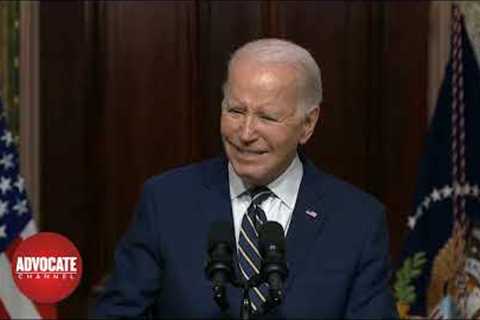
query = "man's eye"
{"x": 268, "y": 118}
{"x": 235, "y": 110}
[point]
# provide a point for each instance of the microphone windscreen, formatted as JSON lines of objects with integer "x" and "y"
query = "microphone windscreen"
{"x": 220, "y": 232}
{"x": 271, "y": 233}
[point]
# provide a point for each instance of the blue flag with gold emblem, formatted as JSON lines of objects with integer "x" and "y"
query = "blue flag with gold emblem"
{"x": 445, "y": 222}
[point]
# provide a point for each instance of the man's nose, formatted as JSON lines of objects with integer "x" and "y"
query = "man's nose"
{"x": 248, "y": 129}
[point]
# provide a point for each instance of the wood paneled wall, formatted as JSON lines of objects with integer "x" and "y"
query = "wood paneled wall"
{"x": 131, "y": 89}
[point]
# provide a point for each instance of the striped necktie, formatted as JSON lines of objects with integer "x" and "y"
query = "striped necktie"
{"x": 249, "y": 258}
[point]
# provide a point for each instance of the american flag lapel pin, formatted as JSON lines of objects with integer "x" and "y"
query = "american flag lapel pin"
{"x": 311, "y": 214}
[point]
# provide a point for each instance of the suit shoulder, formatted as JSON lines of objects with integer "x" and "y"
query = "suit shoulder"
{"x": 349, "y": 195}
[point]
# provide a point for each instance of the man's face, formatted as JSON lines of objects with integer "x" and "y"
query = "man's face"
{"x": 260, "y": 123}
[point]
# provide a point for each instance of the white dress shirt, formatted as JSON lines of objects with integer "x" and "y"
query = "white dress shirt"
{"x": 279, "y": 207}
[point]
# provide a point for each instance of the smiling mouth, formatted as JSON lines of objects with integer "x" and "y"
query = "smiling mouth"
{"x": 246, "y": 151}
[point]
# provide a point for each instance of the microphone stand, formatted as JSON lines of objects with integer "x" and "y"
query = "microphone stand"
{"x": 245, "y": 307}
{"x": 246, "y": 312}
{"x": 219, "y": 295}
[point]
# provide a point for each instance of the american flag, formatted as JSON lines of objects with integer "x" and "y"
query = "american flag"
{"x": 16, "y": 224}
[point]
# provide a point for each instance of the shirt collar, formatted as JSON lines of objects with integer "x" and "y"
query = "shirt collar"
{"x": 285, "y": 187}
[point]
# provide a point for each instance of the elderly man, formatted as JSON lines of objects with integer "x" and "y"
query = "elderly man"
{"x": 336, "y": 238}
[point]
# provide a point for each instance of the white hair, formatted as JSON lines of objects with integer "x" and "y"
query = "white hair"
{"x": 286, "y": 52}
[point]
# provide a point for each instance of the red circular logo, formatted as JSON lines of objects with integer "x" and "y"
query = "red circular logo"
{"x": 47, "y": 267}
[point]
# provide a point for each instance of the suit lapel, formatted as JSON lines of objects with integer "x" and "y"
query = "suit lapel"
{"x": 307, "y": 220}
{"x": 216, "y": 202}
{"x": 217, "y": 206}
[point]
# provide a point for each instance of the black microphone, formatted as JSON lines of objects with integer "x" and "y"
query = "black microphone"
{"x": 274, "y": 266}
{"x": 219, "y": 267}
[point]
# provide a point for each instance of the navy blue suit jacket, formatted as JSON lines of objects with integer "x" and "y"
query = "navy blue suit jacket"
{"x": 338, "y": 261}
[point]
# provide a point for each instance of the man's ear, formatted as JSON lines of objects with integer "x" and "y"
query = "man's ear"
{"x": 309, "y": 124}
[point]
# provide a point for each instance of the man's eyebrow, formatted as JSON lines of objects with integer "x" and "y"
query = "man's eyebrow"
{"x": 235, "y": 102}
{"x": 266, "y": 105}
{"x": 231, "y": 99}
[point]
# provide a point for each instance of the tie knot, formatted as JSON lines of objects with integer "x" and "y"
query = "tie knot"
{"x": 259, "y": 195}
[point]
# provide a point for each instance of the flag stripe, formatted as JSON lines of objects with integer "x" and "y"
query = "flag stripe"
{"x": 48, "y": 311}
{"x": 17, "y": 305}
{"x": 16, "y": 224}
{"x": 29, "y": 230}
{"x": 10, "y": 251}
{"x": 3, "y": 311}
